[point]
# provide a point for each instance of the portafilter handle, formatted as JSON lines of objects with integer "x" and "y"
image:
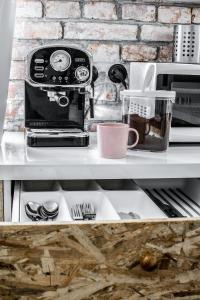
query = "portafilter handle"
{"x": 59, "y": 97}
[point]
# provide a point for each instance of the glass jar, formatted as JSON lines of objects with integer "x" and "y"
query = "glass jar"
{"x": 150, "y": 113}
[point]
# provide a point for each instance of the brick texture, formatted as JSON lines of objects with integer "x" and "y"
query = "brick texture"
{"x": 146, "y": 13}
{"x": 114, "y": 31}
{"x": 17, "y": 70}
{"x": 157, "y": 33}
{"x": 15, "y": 115}
{"x": 100, "y": 31}
{"x": 100, "y": 10}
{"x": 60, "y": 9}
{"x": 104, "y": 52}
{"x": 139, "y": 52}
{"x": 165, "y": 54}
{"x": 16, "y": 90}
{"x": 174, "y": 14}
{"x": 196, "y": 15}
{"x": 29, "y": 9}
{"x": 22, "y": 48}
{"x": 38, "y": 30}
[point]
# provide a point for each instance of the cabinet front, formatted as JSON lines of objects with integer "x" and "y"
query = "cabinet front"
{"x": 98, "y": 260}
{"x": 130, "y": 250}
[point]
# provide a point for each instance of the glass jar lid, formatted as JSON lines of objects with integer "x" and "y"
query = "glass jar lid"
{"x": 160, "y": 94}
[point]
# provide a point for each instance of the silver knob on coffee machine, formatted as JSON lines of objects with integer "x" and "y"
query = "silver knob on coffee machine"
{"x": 63, "y": 101}
{"x": 60, "y": 98}
{"x": 82, "y": 73}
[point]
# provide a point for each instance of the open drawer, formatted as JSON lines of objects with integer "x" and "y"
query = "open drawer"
{"x": 119, "y": 259}
{"x": 113, "y": 200}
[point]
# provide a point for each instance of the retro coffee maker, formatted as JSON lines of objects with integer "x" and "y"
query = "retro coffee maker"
{"x": 58, "y": 95}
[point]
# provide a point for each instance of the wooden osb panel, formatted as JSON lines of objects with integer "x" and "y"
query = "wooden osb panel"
{"x": 100, "y": 261}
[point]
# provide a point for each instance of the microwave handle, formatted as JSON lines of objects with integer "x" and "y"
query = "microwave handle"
{"x": 181, "y": 89}
{"x": 186, "y": 91}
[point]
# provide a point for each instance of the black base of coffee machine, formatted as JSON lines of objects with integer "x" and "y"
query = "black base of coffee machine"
{"x": 56, "y": 138}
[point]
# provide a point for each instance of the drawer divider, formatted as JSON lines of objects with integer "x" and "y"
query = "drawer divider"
{"x": 16, "y": 203}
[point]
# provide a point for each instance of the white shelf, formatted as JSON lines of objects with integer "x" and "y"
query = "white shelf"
{"x": 18, "y": 162}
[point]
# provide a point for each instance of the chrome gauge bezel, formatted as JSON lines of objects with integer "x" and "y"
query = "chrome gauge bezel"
{"x": 77, "y": 75}
{"x": 57, "y": 52}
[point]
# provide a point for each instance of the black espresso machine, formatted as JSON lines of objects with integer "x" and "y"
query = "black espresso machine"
{"x": 58, "y": 96}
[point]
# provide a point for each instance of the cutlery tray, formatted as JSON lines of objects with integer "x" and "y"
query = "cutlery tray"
{"x": 109, "y": 197}
{"x": 79, "y": 185}
{"x": 103, "y": 207}
{"x": 127, "y": 197}
{"x": 40, "y": 186}
{"x": 182, "y": 194}
{"x": 66, "y": 194}
{"x": 136, "y": 202}
{"x": 40, "y": 198}
{"x": 117, "y": 185}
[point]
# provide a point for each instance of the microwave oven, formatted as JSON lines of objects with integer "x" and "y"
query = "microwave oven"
{"x": 184, "y": 79}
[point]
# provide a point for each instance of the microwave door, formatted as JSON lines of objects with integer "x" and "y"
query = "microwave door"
{"x": 186, "y": 87}
{"x": 186, "y": 110}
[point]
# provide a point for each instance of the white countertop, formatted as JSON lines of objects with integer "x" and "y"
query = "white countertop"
{"x": 17, "y": 161}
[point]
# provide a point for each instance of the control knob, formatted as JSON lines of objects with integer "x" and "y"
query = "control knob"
{"x": 63, "y": 101}
{"x": 82, "y": 73}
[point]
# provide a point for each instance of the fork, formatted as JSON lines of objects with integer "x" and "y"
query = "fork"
{"x": 76, "y": 212}
{"x": 88, "y": 211}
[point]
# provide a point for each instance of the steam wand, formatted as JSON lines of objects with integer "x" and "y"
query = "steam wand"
{"x": 90, "y": 108}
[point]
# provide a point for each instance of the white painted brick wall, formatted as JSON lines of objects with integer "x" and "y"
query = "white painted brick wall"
{"x": 196, "y": 15}
{"x": 16, "y": 90}
{"x": 60, "y": 9}
{"x": 146, "y": 13}
{"x": 15, "y": 115}
{"x": 139, "y": 52}
{"x": 38, "y": 30}
{"x": 17, "y": 71}
{"x": 21, "y": 48}
{"x": 104, "y": 52}
{"x": 157, "y": 33}
{"x": 165, "y": 54}
{"x": 29, "y": 9}
{"x": 100, "y": 10}
{"x": 100, "y": 31}
{"x": 174, "y": 14}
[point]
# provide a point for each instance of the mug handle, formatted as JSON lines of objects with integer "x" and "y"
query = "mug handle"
{"x": 137, "y": 138}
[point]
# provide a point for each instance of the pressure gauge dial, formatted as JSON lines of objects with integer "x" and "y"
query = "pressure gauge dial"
{"x": 60, "y": 60}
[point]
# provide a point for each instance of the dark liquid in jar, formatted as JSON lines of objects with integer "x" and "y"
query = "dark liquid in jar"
{"x": 153, "y": 133}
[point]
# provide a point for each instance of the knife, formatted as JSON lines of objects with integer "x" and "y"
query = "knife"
{"x": 169, "y": 210}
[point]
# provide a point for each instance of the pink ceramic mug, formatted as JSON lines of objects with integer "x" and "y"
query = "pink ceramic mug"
{"x": 112, "y": 139}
